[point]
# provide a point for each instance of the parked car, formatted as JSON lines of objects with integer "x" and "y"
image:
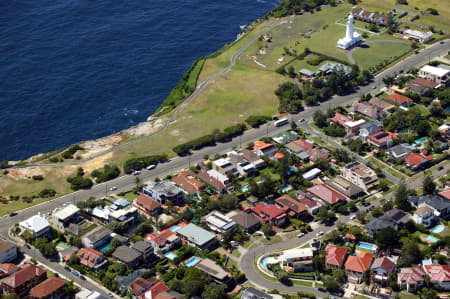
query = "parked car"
{"x": 150, "y": 167}
{"x": 366, "y": 204}
{"x": 300, "y": 235}
{"x": 113, "y": 188}
{"x": 137, "y": 172}
{"x": 82, "y": 277}
{"x": 301, "y": 120}
{"x": 353, "y": 217}
{"x": 67, "y": 268}
{"x": 440, "y": 168}
{"x": 321, "y": 290}
{"x": 319, "y": 234}
{"x": 12, "y": 214}
{"x": 442, "y": 42}
{"x": 75, "y": 273}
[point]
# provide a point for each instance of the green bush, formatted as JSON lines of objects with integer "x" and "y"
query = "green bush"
{"x": 79, "y": 182}
{"x": 68, "y": 154}
{"x": 256, "y": 120}
{"x": 45, "y": 193}
{"x": 142, "y": 162}
{"x": 106, "y": 173}
{"x": 37, "y": 177}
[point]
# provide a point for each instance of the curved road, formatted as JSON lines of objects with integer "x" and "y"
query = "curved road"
{"x": 180, "y": 108}
{"x": 350, "y": 53}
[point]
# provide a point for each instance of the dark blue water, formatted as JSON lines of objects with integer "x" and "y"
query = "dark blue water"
{"x": 74, "y": 70}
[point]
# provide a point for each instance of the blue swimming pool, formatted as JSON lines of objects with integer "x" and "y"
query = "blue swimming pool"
{"x": 285, "y": 189}
{"x": 438, "y": 229}
{"x": 372, "y": 247}
{"x": 170, "y": 255}
{"x": 105, "y": 247}
{"x": 245, "y": 189}
{"x": 192, "y": 261}
{"x": 174, "y": 228}
{"x": 264, "y": 263}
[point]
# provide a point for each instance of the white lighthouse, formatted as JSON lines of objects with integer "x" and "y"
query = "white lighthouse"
{"x": 351, "y": 38}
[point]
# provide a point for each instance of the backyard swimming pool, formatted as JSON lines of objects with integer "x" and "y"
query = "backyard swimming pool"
{"x": 170, "y": 255}
{"x": 192, "y": 261}
{"x": 245, "y": 188}
{"x": 438, "y": 229}
{"x": 285, "y": 189}
{"x": 105, "y": 247}
{"x": 264, "y": 263}
{"x": 371, "y": 247}
{"x": 428, "y": 239}
{"x": 174, "y": 228}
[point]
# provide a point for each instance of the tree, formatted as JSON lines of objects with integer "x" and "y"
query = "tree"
{"x": 266, "y": 228}
{"x": 423, "y": 128}
{"x": 401, "y": 197}
{"x": 387, "y": 238}
{"x": 319, "y": 264}
{"x": 389, "y": 205}
{"x": 12, "y": 296}
{"x": 320, "y": 119}
{"x": 293, "y": 125}
{"x": 214, "y": 291}
{"x": 436, "y": 110}
{"x": 282, "y": 276}
{"x": 74, "y": 259}
{"x": 428, "y": 185}
{"x": 331, "y": 284}
{"x": 410, "y": 254}
{"x": 361, "y": 216}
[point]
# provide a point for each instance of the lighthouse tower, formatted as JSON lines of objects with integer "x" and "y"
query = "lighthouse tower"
{"x": 351, "y": 38}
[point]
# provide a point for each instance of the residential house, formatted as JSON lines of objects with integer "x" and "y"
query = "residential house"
{"x": 219, "y": 223}
{"x": 63, "y": 217}
{"x": 297, "y": 260}
{"x": 327, "y": 194}
{"x": 421, "y": 86}
{"x": 246, "y": 221}
{"x": 380, "y": 103}
{"x": 395, "y": 218}
{"x": 411, "y": 279}
{"x": 252, "y": 293}
{"x": 261, "y": 148}
{"x": 381, "y": 139}
{"x": 217, "y": 273}
{"x": 121, "y": 203}
{"x": 270, "y": 213}
{"x": 420, "y": 36}
{"x": 306, "y": 74}
{"x": 125, "y": 280}
{"x": 65, "y": 254}
{"x": 141, "y": 285}
{"x": 87, "y": 294}
{"x": 345, "y": 187}
{"x": 91, "y": 258}
{"x": 285, "y": 137}
{"x": 253, "y": 158}
{"x": 294, "y": 148}
{"x": 145, "y": 249}
{"x": 168, "y": 295}
{"x": 356, "y": 266}
{"x": 370, "y": 17}
{"x": 381, "y": 268}
{"x": 439, "y": 275}
{"x": 8, "y": 251}
{"x": 8, "y": 269}
{"x": 360, "y": 175}
{"x": 126, "y": 216}
{"x": 101, "y": 214}
{"x": 351, "y": 126}
{"x": 434, "y": 74}
{"x": 308, "y": 200}
{"x": 147, "y": 205}
{"x": 165, "y": 241}
{"x": 335, "y": 256}
{"x": 368, "y": 129}
{"x": 163, "y": 191}
{"x": 400, "y": 100}
{"x": 246, "y": 168}
{"x": 23, "y": 280}
{"x": 316, "y": 154}
{"x": 400, "y": 151}
{"x": 197, "y": 236}
{"x": 416, "y": 161}
{"x": 51, "y": 288}
{"x": 97, "y": 237}
{"x": 311, "y": 174}
{"x": 444, "y": 130}
{"x": 220, "y": 177}
{"x": 155, "y": 290}
{"x": 291, "y": 206}
{"x": 367, "y": 110}
{"x": 445, "y": 193}
{"x": 440, "y": 205}
{"x": 224, "y": 166}
{"x": 36, "y": 225}
{"x": 329, "y": 67}
{"x": 212, "y": 181}
{"x": 129, "y": 256}
{"x": 303, "y": 144}
{"x": 426, "y": 216}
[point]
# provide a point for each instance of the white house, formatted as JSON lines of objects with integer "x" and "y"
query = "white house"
{"x": 297, "y": 259}
{"x": 420, "y": 36}
{"x": 435, "y": 74}
{"x": 36, "y": 225}
{"x": 426, "y": 216}
{"x": 351, "y": 38}
{"x": 218, "y": 222}
{"x": 62, "y": 217}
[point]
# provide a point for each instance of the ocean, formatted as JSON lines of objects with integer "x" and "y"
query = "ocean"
{"x": 74, "y": 70}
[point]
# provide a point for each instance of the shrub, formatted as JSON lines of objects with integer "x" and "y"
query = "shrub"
{"x": 37, "y": 177}
{"x": 142, "y": 162}
{"x": 68, "y": 154}
{"x": 106, "y": 173}
{"x": 79, "y": 182}
{"x": 45, "y": 193}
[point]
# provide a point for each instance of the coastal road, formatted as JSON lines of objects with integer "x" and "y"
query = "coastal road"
{"x": 247, "y": 264}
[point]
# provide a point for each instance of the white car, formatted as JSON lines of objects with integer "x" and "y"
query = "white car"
{"x": 113, "y": 188}
{"x": 150, "y": 167}
{"x": 137, "y": 172}
{"x": 301, "y": 120}
{"x": 300, "y": 235}
{"x": 319, "y": 234}
{"x": 353, "y": 217}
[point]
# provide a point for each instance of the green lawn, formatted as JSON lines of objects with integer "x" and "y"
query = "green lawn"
{"x": 405, "y": 295}
{"x": 393, "y": 172}
{"x": 378, "y": 52}
{"x": 273, "y": 240}
{"x": 302, "y": 283}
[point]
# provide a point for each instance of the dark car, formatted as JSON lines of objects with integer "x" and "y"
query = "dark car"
{"x": 321, "y": 290}
{"x": 67, "y": 268}
{"x": 82, "y": 277}
{"x": 440, "y": 168}
{"x": 12, "y": 214}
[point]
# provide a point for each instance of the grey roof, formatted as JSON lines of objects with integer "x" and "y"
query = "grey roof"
{"x": 245, "y": 220}
{"x": 390, "y": 218}
{"x": 211, "y": 268}
{"x": 97, "y": 234}
{"x": 371, "y": 126}
{"x": 344, "y": 186}
{"x": 70, "y": 250}
{"x": 251, "y": 292}
{"x": 303, "y": 155}
{"x": 196, "y": 234}
{"x": 126, "y": 254}
{"x": 435, "y": 201}
{"x": 401, "y": 149}
{"x": 166, "y": 188}
{"x": 141, "y": 246}
{"x": 127, "y": 279}
{"x": 306, "y": 72}
{"x": 122, "y": 202}
{"x": 73, "y": 229}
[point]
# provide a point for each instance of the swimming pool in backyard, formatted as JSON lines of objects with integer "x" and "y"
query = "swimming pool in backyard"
{"x": 245, "y": 188}
{"x": 192, "y": 261}
{"x": 174, "y": 228}
{"x": 438, "y": 229}
{"x": 369, "y": 246}
{"x": 428, "y": 239}
{"x": 170, "y": 255}
{"x": 264, "y": 262}
{"x": 105, "y": 247}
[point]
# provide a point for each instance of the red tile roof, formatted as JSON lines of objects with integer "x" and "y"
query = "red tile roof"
{"x": 439, "y": 273}
{"x": 317, "y": 154}
{"x": 360, "y": 263}
{"x": 24, "y": 275}
{"x": 261, "y": 145}
{"x": 335, "y": 255}
{"x": 155, "y": 290}
{"x": 303, "y": 144}
{"x": 310, "y": 203}
{"x": 425, "y": 83}
{"x": 204, "y": 176}
{"x": 288, "y": 203}
{"x": 384, "y": 263}
{"x": 414, "y": 159}
{"x": 350, "y": 237}
{"x": 326, "y": 193}
{"x": 89, "y": 256}
{"x": 140, "y": 285}
{"x": 340, "y": 118}
{"x": 411, "y": 275}
{"x": 8, "y": 266}
{"x": 187, "y": 181}
{"x": 279, "y": 155}
{"x": 47, "y": 287}
{"x": 273, "y": 211}
{"x": 445, "y": 193}
{"x": 399, "y": 99}
{"x": 379, "y": 137}
{"x": 146, "y": 202}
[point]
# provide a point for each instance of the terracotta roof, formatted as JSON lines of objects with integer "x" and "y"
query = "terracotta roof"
{"x": 309, "y": 202}
{"x": 187, "y": 181}
{"x": 423, "y": 210}
{"x": 47, "y": 287}
{"x": 350, "y": 237}
{"x": 379, "y": 137}
{"x": 162, "y": 237}
{"x": 288, "y": 203}
{"x": 273, "y": 211}
{"x": 168, "y": 295}
{"x": 445, "y": 193}
{"x": 157, "y": 289}
{"x": 89, "y": 256}
{"x": 317, "y": 154}
{"x": 207, "y": 178}
{"x": 335, "y": 255}
{"x": 261, "y": 145}
{"x": 411, "y": 275}
{"x": 360, "y": 263}
{"x": 303, "y": 144}
{"x": 379, "y": 103}
{"x": 439, "y": 273}
{"x": 326, "y": 193}
{"x": 399, "y": 99}
{"x": 414, "y": 159}
{"x": 425, "y": 83}
{"x": 24, "y": 275}
{"x": 140, "y": 285}
{"x": 147, "y": 202}
{"x": 5, "y": 246}
{"x": 279, "y": 155}
{"x": 8, "y": 266}
{"x": 384, "y": 263}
